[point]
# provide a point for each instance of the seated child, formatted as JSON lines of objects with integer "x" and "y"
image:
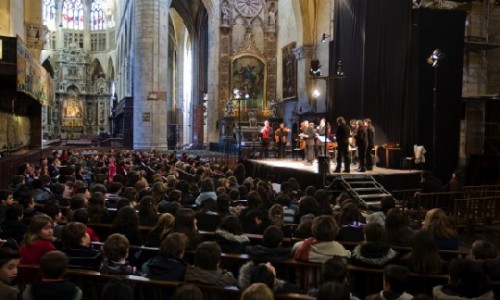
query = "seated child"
{"x": 53, "y": 266}
{"x": 76, "y": 244}
{"x": 206, "y": 268}
{"x": 115, "y": 256}
{"x": 37, "y": 240}
{"x": 395, "y": 283}
{"x": 9, "y": 260}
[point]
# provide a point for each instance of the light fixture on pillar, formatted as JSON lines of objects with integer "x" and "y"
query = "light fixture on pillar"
{"x": 436, "y": 56}
{"x": 324, "y": 37}
{"x": 339, "y": 73}
{"x": 237, "y": 94}
{"x": 316, "y": 94}
{"x": 315, "y": 67}
{"x": 434, "y": 59}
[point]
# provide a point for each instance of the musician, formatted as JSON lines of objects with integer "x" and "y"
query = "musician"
{"x": 265, "y": 134}
{"x": 309, "y": 134}
{"x": 280, "y": 137}
{"x": 370, "y": 136}
{"x": 342, "y": 136}
{"x": 361, "y": 142}
{"x": 321, "y": 131}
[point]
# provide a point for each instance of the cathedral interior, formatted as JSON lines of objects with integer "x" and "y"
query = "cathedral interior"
{"x": 171, "y": 74}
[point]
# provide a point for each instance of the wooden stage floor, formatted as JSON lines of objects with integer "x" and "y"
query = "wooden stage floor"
{"x": 283, "y": 169}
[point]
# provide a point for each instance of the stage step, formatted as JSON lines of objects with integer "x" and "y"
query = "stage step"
{"x": 362, "y": 188}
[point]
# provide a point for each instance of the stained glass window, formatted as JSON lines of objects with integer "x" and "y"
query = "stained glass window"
{"x": 49, "y": 14}
{"x": 98, "y": 19}
{"x": 72, "y": 14}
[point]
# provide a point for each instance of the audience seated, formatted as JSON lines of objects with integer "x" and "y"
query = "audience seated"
{"x": 266, "y": 273}
{"x": 208, "y": 216}
{"x": 162, "y": 229}
{"x": 127, "y": 223}
{"x": 175, "y": 182}
{"x": 206, "y": 268}
{"x": 271, "y": 249}
{"x": 13, "y": 227}
{"x": 395, "y": 282}
{"x": 117, "y": 290}
{"x": 185, "y": 222}
{"x": 9, "y": 260}
{"x": 53, "y": 286}
{"x": 374, "y": 251}
{"x": 334, "y": 269}
{"x": 115, "y": 256}
{"x": 169, "y": 264}
{"x": 386, "y": 203}
{"x": 76, "y": 245}
{"x": 438, "y": 224}
{"x": 38, "y": 240}
{"x": 398, "y": 233}
{"x": 257, "y": 291}
{"x": 466, "y": 281}
{"x": 424, "y": 257}
{"x": 322, "y": 245}
{"x": 229, "y": 235}
{"x": 485, "y": 254}
{"x": 333, "y": 290}
{"x": 351, "y": 226}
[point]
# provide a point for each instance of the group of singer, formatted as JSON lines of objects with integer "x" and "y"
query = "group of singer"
{"x": 356, "y": 140}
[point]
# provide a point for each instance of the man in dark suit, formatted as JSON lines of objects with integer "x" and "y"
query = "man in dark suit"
{"x": 370, "y": 137}
{"x": 342, "y": 137}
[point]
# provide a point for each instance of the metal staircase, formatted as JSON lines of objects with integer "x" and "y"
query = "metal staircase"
{"x": 362, "y": 188}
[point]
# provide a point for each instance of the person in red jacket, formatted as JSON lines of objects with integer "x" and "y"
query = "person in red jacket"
{"x": 38, "y": 239}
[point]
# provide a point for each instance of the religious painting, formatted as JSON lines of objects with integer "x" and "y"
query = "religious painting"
{"x": 289, "y": 72}
{"x": 72, "y": 112}
{"x": 248, "y": 78}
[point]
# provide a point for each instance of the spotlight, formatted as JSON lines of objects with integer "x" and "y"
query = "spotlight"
{"x": 340, "y": 69}
{"x": 435, "y": 57}
{"x": 316, "y": 94}
{"x": 324, "y": 36}
{"x": 315, "y": 68}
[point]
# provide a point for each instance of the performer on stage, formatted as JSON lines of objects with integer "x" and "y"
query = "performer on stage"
{"x": 370, "y": 137}
{"x": 280, "y": 137}
{"x": 309, "y": 134}
{"x": 353, "y": 150}
{"x": 361, "y": 141}
{"x": 265, "y": 132}
{"x": 321, "y": 131}
{"x": 342, "y": 136}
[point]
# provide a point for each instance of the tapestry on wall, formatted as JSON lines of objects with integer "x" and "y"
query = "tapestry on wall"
{"x": 248, "y": 78}
{"x": 32, "y": 78}
{"x": 289, "y": 72}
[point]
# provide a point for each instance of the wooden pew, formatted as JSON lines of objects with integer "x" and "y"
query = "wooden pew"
{"x": 91, "y": 283}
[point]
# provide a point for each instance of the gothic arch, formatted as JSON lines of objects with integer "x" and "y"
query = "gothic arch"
{"x": 110, "y": 72}
{"x": 48, "y": 67}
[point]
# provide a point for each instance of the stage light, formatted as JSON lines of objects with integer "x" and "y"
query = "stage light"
{"x": 340, "y": 69}
{"x": 315, "y": 68}
{"x": 316, "y": 94}
{"x": 324, "y": 37}
{"x": 435, "y": 57}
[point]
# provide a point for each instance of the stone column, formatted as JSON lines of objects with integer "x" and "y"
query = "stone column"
{"x": 150, "y": 73}
{"x": 214, "y": 110}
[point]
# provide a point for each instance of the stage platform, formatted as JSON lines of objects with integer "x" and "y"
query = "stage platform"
{"x": 283, "y": 169}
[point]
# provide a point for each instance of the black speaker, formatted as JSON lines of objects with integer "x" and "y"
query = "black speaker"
{"x": 323, "y": 164}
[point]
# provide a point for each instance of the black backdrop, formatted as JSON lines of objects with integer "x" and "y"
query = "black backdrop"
{"x": 384, "y": 45}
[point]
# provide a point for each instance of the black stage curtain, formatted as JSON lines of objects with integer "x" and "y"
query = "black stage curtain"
{"x": 372, "y": 40}
{"x": 444, "y": 30}
{"x": 384, "y": 45}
